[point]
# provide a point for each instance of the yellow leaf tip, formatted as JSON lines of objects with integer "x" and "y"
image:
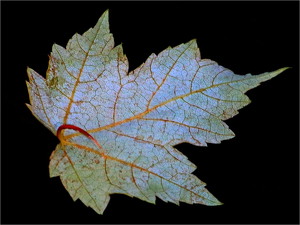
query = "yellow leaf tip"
{"x": 28, "y": 106}
{"x": 218, "y": 203}
{"x": 193, "y": 40}
{"x": 284, "y": 68}
{"x": 106, "y": 12}
{"x": 281, "y": 70}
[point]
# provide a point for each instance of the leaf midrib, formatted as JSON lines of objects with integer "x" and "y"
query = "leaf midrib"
{"x": 153, "y": 108}
{"x": 78, "y": 78}
{"x": 105, "y": 157}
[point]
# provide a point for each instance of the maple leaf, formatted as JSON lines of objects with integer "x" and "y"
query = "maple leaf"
{"x": 129, "y": 123}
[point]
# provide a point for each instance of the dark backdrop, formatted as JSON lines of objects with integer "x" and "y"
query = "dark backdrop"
{"x": 255, "y": 174}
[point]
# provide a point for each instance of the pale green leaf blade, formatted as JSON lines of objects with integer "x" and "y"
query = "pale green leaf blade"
{"x": 137, "y": 118}
{"x": 89, "y": 176}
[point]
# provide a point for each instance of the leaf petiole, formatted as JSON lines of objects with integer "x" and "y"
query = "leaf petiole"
{"x": 72, "y": 127}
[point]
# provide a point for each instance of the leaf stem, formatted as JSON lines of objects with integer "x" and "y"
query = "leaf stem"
{"x": 72, "y": 127}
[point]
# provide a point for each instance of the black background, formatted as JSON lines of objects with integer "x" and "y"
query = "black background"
{"x": 255, "y": 174}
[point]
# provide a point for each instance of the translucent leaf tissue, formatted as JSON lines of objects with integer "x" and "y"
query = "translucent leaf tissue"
{"x": 117, "y": 129}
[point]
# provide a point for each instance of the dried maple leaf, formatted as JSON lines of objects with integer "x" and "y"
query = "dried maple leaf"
{"x": 129, "y": 123}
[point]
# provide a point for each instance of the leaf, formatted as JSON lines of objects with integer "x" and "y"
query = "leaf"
{"x": 129, "y": 123}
